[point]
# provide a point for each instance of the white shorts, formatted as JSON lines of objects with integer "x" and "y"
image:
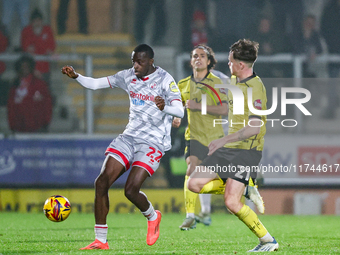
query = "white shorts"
{"x": 131, "y": 151}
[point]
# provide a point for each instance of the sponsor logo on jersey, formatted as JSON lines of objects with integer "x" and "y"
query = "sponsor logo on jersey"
{"x": 139, "y": 98}
{"x": 173, "y": 87}
{"x": 153, "y": 86}
{"x": 224, "y": 91}
{"x": 134, "y": 81}
{"x": 258, "y": 104}
{"x": 136, "y": 101}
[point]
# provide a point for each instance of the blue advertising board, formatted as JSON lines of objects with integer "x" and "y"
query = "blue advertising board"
{"x": 55, "y": 162}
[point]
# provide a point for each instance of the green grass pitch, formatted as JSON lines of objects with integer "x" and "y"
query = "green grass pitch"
{"x": 33, "y": 233}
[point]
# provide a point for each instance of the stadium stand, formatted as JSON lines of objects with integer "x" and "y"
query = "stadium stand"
{"x": 110, "y": 54}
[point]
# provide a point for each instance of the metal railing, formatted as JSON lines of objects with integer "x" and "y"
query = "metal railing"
{"x": 296, "y": 61}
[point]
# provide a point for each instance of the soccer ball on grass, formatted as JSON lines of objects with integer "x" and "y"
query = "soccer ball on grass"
{"x": 57, "y": 208}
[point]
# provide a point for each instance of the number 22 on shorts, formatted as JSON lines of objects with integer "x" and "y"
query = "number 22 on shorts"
{"x": 152, "y": 155}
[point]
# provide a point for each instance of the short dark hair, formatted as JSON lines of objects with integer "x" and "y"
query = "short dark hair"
{"x": 210, "y": 54}
{"x": 145, "y": 48}
{"x": 36, "y": 14}
{"x": 245, "y": 50}
{"x": 25, "y": 58}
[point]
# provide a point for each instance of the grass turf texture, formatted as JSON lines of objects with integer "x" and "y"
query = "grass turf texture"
{"x": 32, "y": 233}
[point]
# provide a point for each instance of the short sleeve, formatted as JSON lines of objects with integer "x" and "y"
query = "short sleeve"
{"x": 171, "y": 89}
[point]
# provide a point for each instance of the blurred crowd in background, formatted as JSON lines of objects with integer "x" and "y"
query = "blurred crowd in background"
{"x": 310, "y": 27}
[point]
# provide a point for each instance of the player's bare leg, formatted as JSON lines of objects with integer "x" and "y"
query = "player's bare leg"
{"x": 199, "y": 178}
{"x": 111, "y": 170}
{"x": 232, "y": 196}
{"x": 133, "y": 184}
{"x": 250, "y": 192}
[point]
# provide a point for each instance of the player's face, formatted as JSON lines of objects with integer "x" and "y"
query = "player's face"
{"x": 199, "y": 60}
{"x": 234, "y": 65}
{"x": 142, "y": 64}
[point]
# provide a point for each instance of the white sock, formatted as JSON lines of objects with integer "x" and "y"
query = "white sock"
{"x": 267, "y": 238}
{"x": 150, "y": 213}
{"x": 205, "y": 200}
{"x": 101, "y": 232}
{"x": 190, "y": 215}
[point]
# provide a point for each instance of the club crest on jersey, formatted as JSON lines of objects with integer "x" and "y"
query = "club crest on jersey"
{"x": 133, "y": 81}
{"x": 258, "y": 104}
{"x": 173, "y": 87}
{"x": 153, "y": 86}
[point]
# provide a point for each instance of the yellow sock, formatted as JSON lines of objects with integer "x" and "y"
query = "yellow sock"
{"x": 189, "y": 198}
{"x": 249, "y": 217}
{"x": 213, "y": 187}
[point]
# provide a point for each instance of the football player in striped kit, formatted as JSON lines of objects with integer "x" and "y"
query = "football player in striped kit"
{"x": 154, "y": 100}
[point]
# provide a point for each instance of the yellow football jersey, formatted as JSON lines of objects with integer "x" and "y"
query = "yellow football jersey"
{"x": 237, "y": 122}
{"x": 201, "y": 127}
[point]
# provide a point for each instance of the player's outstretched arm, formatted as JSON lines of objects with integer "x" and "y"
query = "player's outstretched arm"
{"x": 87, "y": 82}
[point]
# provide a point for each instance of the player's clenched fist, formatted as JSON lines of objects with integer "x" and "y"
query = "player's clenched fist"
{"x": 69, "y": 71}
{"x": 160, "y": 103}
{"x": 176, "y": 122}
